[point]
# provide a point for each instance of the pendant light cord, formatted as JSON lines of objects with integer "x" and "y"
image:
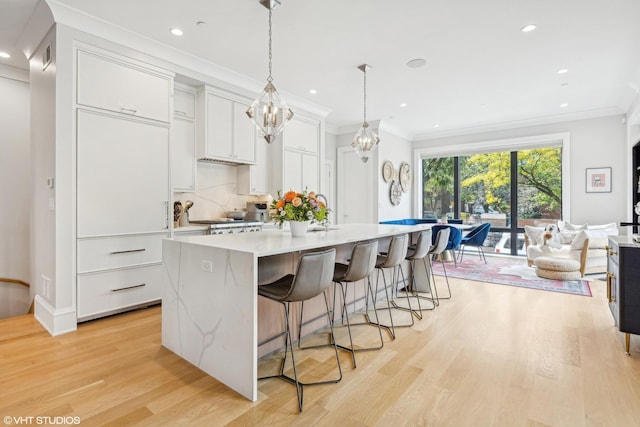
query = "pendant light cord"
{"x": 365, "y": 94}
{"x": 270, "y": 79}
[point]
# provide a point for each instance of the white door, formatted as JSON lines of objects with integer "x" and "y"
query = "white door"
{"x": 356, "y": 202}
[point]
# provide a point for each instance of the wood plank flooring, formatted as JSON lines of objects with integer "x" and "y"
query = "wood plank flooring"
{"x": 493, "y": 355}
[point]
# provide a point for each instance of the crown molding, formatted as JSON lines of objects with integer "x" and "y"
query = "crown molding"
{"x": 537, "y": 121}
{"x": 184, "y": 63}
{"x": 14, "y": 73}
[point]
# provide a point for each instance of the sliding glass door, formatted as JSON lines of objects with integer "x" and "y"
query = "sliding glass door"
{"x": 508, "y": 189}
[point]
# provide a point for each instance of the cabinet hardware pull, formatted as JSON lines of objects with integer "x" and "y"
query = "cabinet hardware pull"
{"x": 612, "y": 252}
{"x": 182, "y": 113}
{"x": 609, "y": 287}
{"x": 126, "y": 288}
{"x": 128, "y": 110}
{"x": 127, "y": 251}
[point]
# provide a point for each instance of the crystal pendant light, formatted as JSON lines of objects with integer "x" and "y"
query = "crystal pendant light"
{"x": 366, "y": 139}
{"x": 269, "y": 112}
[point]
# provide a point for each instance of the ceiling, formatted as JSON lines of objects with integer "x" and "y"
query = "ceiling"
{"x": 481, "y": 71}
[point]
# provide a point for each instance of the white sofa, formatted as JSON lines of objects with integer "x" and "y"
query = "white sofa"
{"x": 584, "y": 243}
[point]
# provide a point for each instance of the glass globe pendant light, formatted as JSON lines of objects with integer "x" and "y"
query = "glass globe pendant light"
{"x": 366, "y": 139}
{"x": 269, "y": 112}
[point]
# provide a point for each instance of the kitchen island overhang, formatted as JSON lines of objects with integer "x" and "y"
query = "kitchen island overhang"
{"x": 210, "y": 299}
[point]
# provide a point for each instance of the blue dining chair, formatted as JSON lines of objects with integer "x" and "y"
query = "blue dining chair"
{"x": 476, "y": 237}
{"x": 455, "y": 237}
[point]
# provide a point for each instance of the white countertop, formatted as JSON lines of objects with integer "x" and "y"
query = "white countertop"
{"x": 272, "y": 242}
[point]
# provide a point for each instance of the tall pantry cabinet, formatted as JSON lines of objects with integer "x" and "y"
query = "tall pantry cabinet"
{"x": 296, "y": 156}
{"x": 123, "y": 117}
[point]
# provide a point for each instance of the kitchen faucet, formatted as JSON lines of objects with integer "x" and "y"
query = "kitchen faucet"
{"x": 325, "y": 222}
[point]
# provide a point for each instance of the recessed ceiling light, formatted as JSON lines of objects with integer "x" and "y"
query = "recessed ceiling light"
{"x": 564, "y": 84}
{"x": 436, "y": 126}
{"x": 563, "y": 71}
{"x": 313, "y": 91}
{"x": 403, "y": 104}
{"x": 201, "y": 24}
{"x": 528, "y": 28}
{"x": 564, "y": 105}
{"x": 176, "y": 31}
{"x": 416, "y": 63}
{"x": 4, "y": 55}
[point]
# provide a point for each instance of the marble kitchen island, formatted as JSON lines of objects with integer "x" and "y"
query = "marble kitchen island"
{"x": 210, "y": 300}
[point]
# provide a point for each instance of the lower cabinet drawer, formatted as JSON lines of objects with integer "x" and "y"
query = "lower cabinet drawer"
{"x": 103, "y": 253}
{"x": 101, "y": 294}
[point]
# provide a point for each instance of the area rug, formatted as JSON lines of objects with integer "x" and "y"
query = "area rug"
{"x": 510, "y": 271}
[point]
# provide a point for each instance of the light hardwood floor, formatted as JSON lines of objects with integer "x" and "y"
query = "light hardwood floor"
{"x": 492, "y": 356}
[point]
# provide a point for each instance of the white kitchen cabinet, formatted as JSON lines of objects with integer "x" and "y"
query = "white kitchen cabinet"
{"x": 295, "y": 158}
{"x": 123, "y": 175}
{"x": 183, "y": 141}
{"x": 112, "y": 83}
{"x": 255, "y": 179}
{"x": 302, "y": 134}
{"x": 184, "y": 101}
{"x": 225, "y": 133}
{"x": 301, "y": 171}
{"x": 123, "y": 131}
{"x": 104, "y": 293}
{"x": 104, "y": 253}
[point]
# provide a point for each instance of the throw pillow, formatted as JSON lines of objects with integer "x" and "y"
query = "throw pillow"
{"x": 568, "y": 236}
{"x": 533, "y": 233}
{"x": 578, "y": 241}
{"x": 574, "y": 227}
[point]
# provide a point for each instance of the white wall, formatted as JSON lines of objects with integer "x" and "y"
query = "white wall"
{"x": 396, "y": 150}
{"x": 15, "y": 189}
{"x": 599, "y": 142}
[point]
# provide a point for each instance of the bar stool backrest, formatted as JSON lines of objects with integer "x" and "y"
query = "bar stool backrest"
{"x": 397, "y": 251}
{"x": 363, "y": 261}
{"x": 442, "y": 240}
{"x": 422, "y": 245}
{"x": 313, "y": 275}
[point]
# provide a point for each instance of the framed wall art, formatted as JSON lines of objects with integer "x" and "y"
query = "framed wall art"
{"x": 598, "y": 180}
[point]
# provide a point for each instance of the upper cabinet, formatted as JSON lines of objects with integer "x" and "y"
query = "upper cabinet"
{"x": 295, "y": 157}
{"x": 110, "y": 84}
{"x": 225, "y": 133}
{"x": 301, "y": 134}
{"x": 183, "y": 139}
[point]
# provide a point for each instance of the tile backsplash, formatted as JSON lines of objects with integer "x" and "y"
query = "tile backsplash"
{"x": 215, "y": 192}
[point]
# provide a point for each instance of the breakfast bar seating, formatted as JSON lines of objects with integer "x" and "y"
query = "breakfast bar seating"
{"x": 312, "y": 278}
{"x": 211, "y": 313}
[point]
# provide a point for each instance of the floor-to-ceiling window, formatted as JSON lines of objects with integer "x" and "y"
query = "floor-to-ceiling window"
{"x": 509, "y": 189}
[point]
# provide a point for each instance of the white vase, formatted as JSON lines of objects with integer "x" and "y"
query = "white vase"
{"x": 299, "y": 228}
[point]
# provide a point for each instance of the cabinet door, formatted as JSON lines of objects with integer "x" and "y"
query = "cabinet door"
{"x": 125, "y": 88}
{"x": 301, "y": 135}
{"x": 184, "y": 104}
{"x": 310, "y": 175}
{"x": 219, "y": 138}
{"x": 122, "y": 180}
{"x": 255, "y": 179}
{"x": 244, "y": 134}
{"x": 183, "y": 154}
{"x": 292, "y": 170}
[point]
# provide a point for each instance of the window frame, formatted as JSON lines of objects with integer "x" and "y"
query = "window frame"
{"x": 562, "y": 140}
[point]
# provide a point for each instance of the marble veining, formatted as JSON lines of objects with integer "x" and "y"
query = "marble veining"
{"x": 209, "y": 306}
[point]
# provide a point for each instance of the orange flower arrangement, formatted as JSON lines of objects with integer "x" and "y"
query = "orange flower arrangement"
{"x": 294, "y": 206}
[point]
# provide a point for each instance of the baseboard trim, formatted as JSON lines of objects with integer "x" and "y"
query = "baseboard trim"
{"x": 56, "y": 322}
